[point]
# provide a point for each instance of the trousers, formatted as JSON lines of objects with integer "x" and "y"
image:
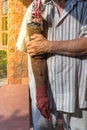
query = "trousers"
{"x": 71, "y": 121}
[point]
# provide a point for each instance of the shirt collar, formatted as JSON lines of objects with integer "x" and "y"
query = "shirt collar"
{"x": 50, "y": 1}
{"x": 69, "y": 6}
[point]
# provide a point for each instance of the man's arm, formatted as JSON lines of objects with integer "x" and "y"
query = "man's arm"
{"x": 75, "y": 47}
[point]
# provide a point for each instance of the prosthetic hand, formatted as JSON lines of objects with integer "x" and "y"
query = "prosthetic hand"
{"x": 43, "y": 102}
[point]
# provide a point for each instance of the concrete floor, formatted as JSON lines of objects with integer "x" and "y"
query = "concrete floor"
{"x": 14, "y": 108}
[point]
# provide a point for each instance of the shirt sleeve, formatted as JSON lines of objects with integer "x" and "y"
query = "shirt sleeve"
{"x": 83, "y": 31}
{"x": 23, "y": 38}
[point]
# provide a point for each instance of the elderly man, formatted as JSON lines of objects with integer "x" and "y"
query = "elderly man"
{"x": 65, "y": 25}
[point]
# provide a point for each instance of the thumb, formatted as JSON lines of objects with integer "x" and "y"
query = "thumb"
{"x": 34, "y": 36}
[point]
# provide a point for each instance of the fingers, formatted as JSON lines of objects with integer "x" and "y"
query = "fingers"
{"x": 36, "y": 36}
{"x": 45, "y": 111}
{"x": 36, "y": 45}
{"x": 30, "y": 49}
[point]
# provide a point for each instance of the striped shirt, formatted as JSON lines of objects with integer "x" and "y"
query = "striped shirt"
{"x": 67, "y": 75}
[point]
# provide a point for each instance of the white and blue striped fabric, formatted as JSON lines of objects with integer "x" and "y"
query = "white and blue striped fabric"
{"x": 67, "y": 75}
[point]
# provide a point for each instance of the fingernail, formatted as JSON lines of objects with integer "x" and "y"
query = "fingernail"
{"x": 31, "y": 37}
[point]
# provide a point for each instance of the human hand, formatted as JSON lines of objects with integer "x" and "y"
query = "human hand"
{"x": 43, "y": 102}
{"x": 38, "y": 45}
{"x": 43, "y": 106}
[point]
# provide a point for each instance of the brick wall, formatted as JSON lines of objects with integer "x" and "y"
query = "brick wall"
{"x": 17, "y": 61}
{"x": 0, "y": 23}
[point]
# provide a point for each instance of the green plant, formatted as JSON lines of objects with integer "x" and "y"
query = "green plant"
{"x": 3, "y": 63}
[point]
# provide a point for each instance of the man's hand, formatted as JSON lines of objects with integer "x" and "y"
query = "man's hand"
{"x": 38, "y": 45}
{"x": 43, "y": 106}
{"x": 43, "y": 102}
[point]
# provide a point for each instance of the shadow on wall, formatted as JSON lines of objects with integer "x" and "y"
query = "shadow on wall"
{"x": 27, "y": 3}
